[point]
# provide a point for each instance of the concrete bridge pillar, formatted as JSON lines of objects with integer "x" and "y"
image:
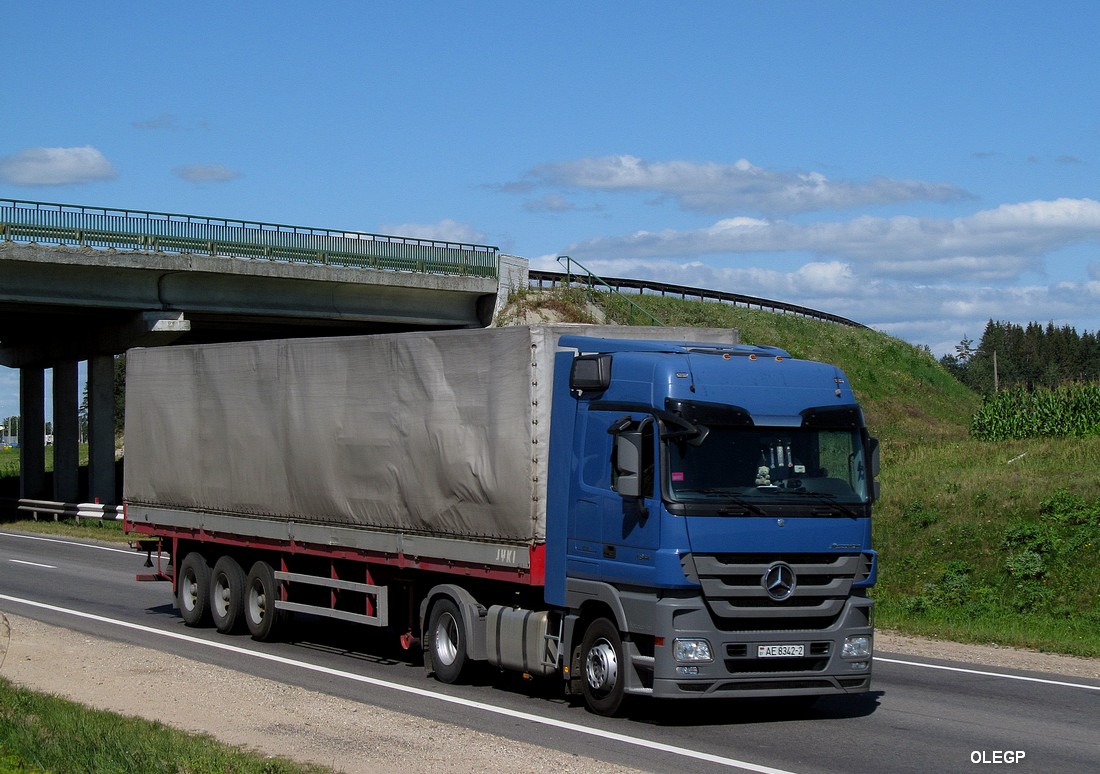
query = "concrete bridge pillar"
{"x": 66, "y": 433}
{"x": 101, "y": 429}
{"x": 32, "y": 433}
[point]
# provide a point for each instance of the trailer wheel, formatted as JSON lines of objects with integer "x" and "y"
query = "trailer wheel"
{"x": 193, "y": 589}
{"x": 602, "y": 658}
{"x": 260, "y": 594}
{"x": 447, "y": 641}
{"x": 226, "y": 594}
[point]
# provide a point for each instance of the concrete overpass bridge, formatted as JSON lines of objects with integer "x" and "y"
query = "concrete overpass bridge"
{"x": 83, "y": 283}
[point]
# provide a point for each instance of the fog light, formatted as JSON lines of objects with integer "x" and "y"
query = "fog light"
{"x": 860, "y": 666}
{"x": 691, "y": 650}
{"x": 687, "y": 670}
{"x": 856, "y": 647}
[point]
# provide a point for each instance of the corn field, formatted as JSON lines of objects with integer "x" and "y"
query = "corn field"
{"x": 1069, "y": 410}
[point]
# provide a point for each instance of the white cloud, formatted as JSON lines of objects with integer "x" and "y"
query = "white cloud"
{"x": 1000, "y": 243}
{"x": 446, "y": 230}
{"x": 712, "y": 187}
{"x": 55, "y": 166}
{"x": 206, "y": 173}
{"x": 923, "y": 279}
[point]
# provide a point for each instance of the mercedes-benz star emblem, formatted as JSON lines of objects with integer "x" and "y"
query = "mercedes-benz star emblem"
{"x": 779, "y": 581}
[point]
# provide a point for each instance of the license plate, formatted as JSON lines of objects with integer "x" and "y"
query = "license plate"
{"x": 780, "y": 651}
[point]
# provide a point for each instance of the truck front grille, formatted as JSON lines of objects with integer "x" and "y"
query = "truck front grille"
{"x": 735, "y": 589}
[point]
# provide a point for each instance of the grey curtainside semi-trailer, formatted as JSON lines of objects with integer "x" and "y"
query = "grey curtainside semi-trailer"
{"x": 634, "y": 511}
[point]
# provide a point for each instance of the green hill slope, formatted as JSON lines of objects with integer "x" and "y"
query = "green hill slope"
{"x": 978, "y": 541}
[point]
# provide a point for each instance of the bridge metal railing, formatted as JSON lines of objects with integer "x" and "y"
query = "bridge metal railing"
{"x": 70, "y": 224}
{"x": 632, "y": 309}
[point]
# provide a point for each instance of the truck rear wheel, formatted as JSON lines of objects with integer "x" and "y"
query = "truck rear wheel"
{"x": 260, "y": 594}
{"x": 447, "y": 641}
{"x": 226, "y": 594}
{"x": 602, "y": 659}
{"x": 193, "y": 589}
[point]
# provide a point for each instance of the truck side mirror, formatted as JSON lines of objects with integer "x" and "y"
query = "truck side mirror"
{"x": 627, "y": 469}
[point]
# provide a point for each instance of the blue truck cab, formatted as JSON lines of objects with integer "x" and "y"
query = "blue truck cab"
{"x": 708, "y": 522}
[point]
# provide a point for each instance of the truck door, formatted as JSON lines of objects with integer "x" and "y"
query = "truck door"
{"x": 619, "y": 534}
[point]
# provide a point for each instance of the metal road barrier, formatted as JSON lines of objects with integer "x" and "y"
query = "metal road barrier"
{"x": 70, "y": 224}
{"x": 57, "y": 510}
{"x": 539, "y": 278}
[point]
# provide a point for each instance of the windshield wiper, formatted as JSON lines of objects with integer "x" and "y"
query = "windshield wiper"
{"x": 736, "y": 505}
{"x": 831, "y": 500}
{"x": 730, "y": 504}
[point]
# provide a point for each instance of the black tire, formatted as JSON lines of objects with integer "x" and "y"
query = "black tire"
{"x": 260, "y": 593}
{"x": 193, "y": 589}
{"x": 446, "y": 643}
{"x": 604, "y": 680}
{"x": 226, "y": 594}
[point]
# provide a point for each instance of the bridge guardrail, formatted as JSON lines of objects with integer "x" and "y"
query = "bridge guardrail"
{"x": 538, "y": 277}
{"x": 71, "y": 224}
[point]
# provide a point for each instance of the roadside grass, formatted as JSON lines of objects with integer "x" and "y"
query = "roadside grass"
{"x": 9, "y": 463}
{"x": 106, "y": 530}
{"x": 9, "y": 460}
{"x": 993, "y": 542}
{"x": 43, "y": 733}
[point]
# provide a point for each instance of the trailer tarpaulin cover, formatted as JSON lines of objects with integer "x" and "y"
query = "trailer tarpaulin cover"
{"x": 442, "y": 433}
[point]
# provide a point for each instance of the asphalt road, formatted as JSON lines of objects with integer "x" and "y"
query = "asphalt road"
{"x": 921, "y": 716}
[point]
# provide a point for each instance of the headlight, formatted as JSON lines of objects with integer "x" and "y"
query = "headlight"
{"x": 856, "y": 647}
{"x": 691, "y": 650}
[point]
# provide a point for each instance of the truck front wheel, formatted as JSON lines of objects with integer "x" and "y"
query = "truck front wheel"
{"x": 447, "y": 641}
{"x": 193, "y": 589}
{"x": 226, "y": 594}
{"x": 602, "y": 659}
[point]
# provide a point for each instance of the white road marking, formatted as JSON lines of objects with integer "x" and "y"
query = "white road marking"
{"x": 988, "y": 674}
{"x": 561, "y": 724}
{"x": 130, "y": 551}
{"x": 33, "y": 564}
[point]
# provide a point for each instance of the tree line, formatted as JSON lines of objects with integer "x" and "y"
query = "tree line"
{"x": 1011, "y": 356}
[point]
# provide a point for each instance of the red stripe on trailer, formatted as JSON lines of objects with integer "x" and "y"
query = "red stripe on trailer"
{"x": 533, "y": 576}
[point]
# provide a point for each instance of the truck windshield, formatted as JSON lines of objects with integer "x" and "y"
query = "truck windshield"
{"x": 762, "y": 464}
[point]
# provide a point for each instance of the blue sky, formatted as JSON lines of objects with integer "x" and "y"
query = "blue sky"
{"x": 919, "y": 167}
